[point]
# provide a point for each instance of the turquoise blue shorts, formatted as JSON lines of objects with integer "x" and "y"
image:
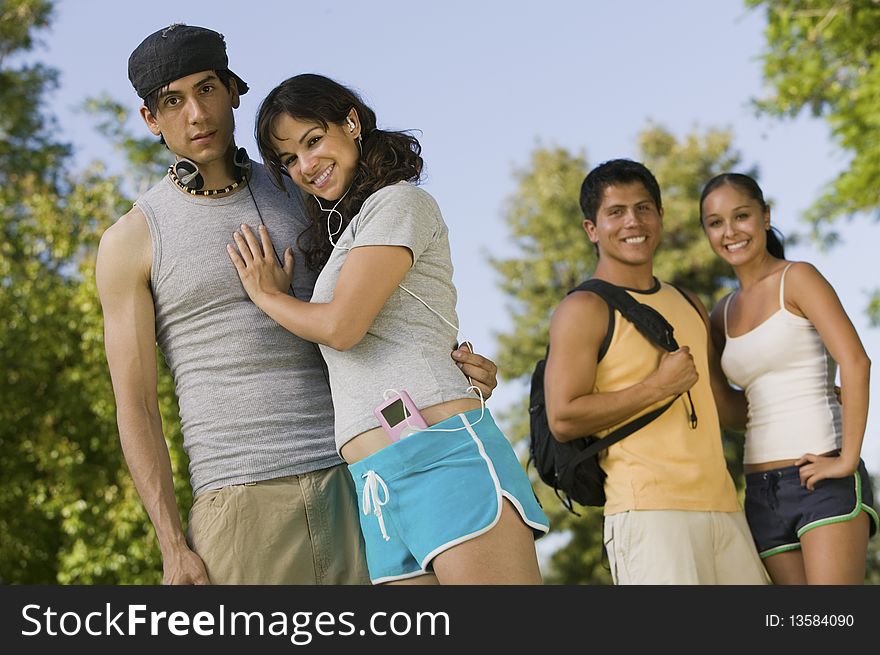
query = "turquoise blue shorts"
{"x": 434, "y": 490}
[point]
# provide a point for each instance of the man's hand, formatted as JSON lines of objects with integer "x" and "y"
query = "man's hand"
{"x": 479, "y": 370}
{"x": 676, "y": 373}
{"x": 184, "y": 568}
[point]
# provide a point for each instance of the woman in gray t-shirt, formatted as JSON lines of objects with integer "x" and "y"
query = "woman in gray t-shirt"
{"x": 450, "y": 503}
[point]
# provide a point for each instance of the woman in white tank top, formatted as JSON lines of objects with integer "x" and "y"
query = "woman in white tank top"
{"x": 781, "y": 336}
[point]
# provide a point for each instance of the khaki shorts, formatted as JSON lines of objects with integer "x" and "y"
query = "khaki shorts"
{"x": 300, "y": 529}
{"x": 680, "y": 547}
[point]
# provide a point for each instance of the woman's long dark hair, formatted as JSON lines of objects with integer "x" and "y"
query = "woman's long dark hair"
{"x": 775, "y": 240}
{"x": 386, "y": 157}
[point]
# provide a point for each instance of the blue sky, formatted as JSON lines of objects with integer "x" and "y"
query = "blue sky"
{"x": 486, "y": 82}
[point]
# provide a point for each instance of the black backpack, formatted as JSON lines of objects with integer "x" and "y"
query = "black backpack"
{"x": 572, "y": 468}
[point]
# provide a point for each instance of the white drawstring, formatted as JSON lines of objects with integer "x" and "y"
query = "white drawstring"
{"x": 371, "y": 497}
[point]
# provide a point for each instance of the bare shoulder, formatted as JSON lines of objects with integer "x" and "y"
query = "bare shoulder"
{"x": 584, "y": 311}
{"x": 130, "y": 229}
{"x": 803, "y": 273}
{"x": 807, "y": 291}
{"x": 583, "y": 302}
{"x": 126, "y": 247}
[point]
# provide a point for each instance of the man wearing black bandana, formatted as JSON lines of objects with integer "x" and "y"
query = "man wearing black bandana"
{"x": 272, "y": 502}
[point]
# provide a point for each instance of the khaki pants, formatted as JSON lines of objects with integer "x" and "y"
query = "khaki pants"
{"x": 679, "y": 547}
{"x": 300, "y": 529}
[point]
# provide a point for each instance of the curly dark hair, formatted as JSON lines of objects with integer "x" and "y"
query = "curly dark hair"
{"x": 386, "y": 157}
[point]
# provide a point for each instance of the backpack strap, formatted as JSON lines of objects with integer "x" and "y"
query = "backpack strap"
{"x": 609, "y": 333}
{"x": 647, "y": 320}
{"x": 653, "y": 326}
{"x": 623, "y": 431}
{"x": 609, "y": 440}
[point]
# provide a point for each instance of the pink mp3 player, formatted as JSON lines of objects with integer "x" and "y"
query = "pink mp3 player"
{"x": 399, "y": 416}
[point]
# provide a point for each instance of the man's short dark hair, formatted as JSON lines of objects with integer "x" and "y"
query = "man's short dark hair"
{"x": 614, "y": 173}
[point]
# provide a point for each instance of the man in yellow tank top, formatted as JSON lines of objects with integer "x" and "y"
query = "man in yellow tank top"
{"x": 671, "y": 515}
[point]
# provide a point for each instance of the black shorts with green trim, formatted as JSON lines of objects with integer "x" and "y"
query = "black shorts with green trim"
{"x": 780, "y": 511}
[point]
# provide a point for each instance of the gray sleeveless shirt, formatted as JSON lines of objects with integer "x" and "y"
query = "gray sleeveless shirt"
{"x": 254, "y": 399}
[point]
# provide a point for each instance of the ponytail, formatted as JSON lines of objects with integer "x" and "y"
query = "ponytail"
{"x": 775, "y": 243}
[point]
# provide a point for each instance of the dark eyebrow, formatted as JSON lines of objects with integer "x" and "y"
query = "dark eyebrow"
{"x": 735, "y": 209}
{"x": 303, "y": 137}
{"x": 208, "y": 78}
{"x": 205, "y": 80}
{"x": 283, "y": 154}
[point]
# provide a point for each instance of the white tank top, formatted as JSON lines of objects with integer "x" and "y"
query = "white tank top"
{"x": 788, "y": 378}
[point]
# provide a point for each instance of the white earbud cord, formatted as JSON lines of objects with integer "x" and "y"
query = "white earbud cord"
{"x": 389, "y": 392}
{"x": 442, "y": 318}
{"x": 472, "y": 386}
{"x": 330, "y": 213}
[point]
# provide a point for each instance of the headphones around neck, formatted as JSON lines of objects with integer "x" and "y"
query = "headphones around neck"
{"x": 190, "y": 177}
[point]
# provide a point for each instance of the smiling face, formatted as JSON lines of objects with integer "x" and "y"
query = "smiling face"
{"x": 628, "y": 225}
{"x": 194, "y": 115}
{"x": 736, "y": 224}
{"x": 321, "y": 161}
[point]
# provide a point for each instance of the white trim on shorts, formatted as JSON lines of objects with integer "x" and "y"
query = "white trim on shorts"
{"x": 405, "y": 576}
{"x": 499, "y": 494}
{"x": 495, "y": 481}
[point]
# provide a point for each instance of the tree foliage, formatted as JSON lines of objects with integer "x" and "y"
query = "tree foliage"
{"x": 555, "y": 255}
{"x": 69, "y": 512}
{"x": 823, "y": 57}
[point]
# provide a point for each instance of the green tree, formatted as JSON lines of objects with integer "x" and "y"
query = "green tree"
{"x": 30, "y": 282}
{"x": 68, "y": 508}
{"x": 555, "y": 255}
{"x": 823, "y": 57}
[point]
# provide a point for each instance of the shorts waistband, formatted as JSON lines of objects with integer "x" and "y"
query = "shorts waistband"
{"x": 401, "y": 455}
{"x": 774, "y": 474}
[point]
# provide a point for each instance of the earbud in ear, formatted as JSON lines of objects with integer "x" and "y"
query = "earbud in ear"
{"x": 351, "y": 125}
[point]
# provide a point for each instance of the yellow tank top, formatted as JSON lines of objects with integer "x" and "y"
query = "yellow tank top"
{"x": 666, "y": 465}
